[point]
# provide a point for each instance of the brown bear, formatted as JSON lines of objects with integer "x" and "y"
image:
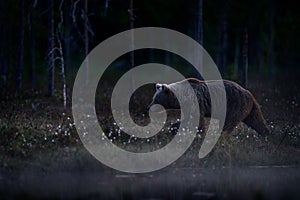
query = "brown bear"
{"x": 241, "y": 104}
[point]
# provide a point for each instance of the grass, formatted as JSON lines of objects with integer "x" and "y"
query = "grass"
{"x": 36, "y": 130}
{"x": 42, "y": 157}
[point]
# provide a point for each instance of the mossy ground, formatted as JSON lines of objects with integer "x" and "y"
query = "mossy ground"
{"x": 32, "y": 126}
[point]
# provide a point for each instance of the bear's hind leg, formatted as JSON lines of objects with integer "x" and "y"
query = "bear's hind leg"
{"x": 228, "y": 128}
{"x": 256, "y": 121}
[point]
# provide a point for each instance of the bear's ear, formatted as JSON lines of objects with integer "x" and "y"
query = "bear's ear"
{"x": 165, "y": 88}
{"x": 162, "y": 87}
{"x": 159, "y": 87}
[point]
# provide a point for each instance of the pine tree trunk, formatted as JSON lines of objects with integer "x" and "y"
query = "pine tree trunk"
{"x": 245, "y": 59}
{"x": 224, "y": 44}
{"x": 106, "y": 7}
{"x": 271, "y": 38}
{"x": 60, "y": 36}
{"x": 3, "y": 75}
{"x": 221, "y": 58}
{"x": 86, "y": 39}
{"x": 67, "y": 41}
{"x": 236, "y": 56}
{"x": 199, "y": 34}
{"x": 199, "y": 22}
{"x": 3, "y": 68}
{"x": 51, "y": 64}
{"x": 20, "y": 59}
{"x": 32, "y": 51}
{"x": 132, "y": 41}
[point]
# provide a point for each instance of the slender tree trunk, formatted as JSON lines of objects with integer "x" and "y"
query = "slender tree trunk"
{"x": 199, "y": 39}
{"x": 3, "y": 68}
{"x": 61, "y": 54}
{"x": 224, "y": 43}
{"x": 51, "y": 64}
{"x": 199, "y": 33}
{"x": 63, "y": 74}
{"x": 271, "y": 38}
{"x": 106, "y": 7}
{"x": 132, "y": 40}
{"x": 219, "y": 49}
{"x": 261, "y": 60}
{"x": 236, "y": 56}
{"x": 199, "y": 22}
{"x": 3, "y": 75}
{"x": 261, "y": 48}
{"x": 86, "y": 31}
{"x": 67, "y": 41}
{"x": 86, "y": 39}
{"x": 32, "y": 49}
{"x": 221, "y": 58}
{"x": 20, "y": 59}
{"x": 32, "y": 61}
{"x": 245, "y": 59}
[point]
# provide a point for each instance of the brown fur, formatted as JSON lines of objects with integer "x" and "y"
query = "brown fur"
{"x": 241, "y": 104}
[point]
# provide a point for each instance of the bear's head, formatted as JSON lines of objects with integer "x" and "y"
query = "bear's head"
{"x": 165, "y": 97}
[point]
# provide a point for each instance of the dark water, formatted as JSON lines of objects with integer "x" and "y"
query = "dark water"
{"x": 271, "y": 182}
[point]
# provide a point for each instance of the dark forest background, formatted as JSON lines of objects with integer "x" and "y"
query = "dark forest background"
{"x": 44, "y": 42}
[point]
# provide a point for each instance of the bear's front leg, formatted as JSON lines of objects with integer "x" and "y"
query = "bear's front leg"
{"x": 174, "y": 127}
{"x": 199, "y": 129}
